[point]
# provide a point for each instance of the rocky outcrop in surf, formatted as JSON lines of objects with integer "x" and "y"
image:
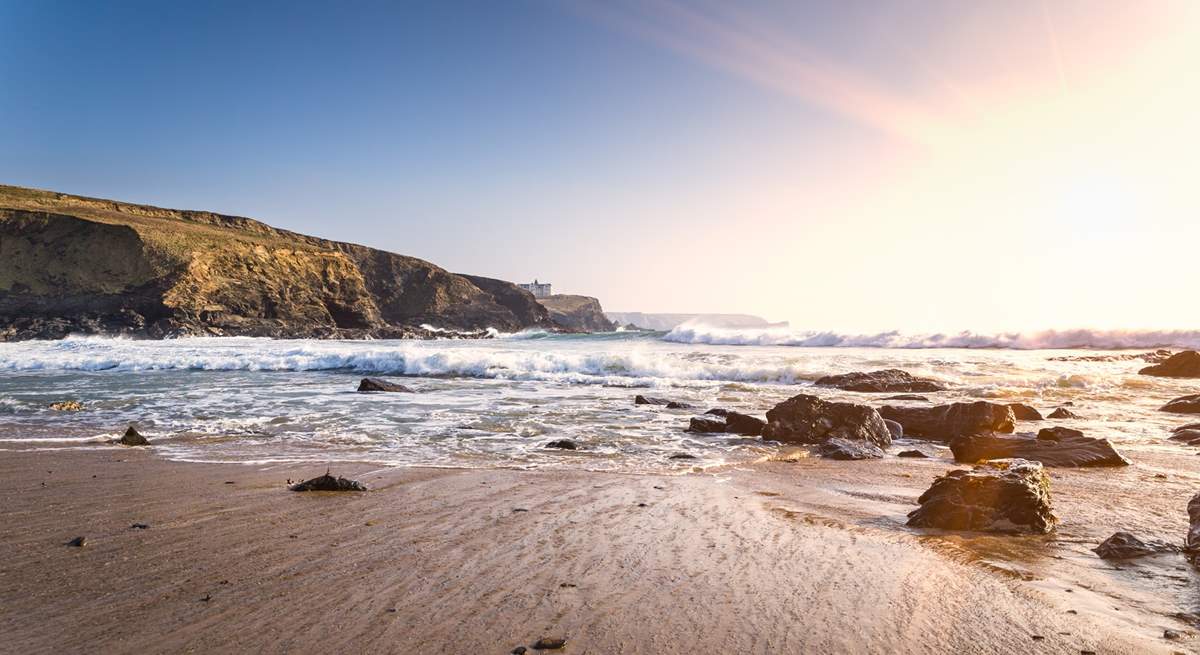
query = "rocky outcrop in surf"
{"x": 1180, "y": 365}
{"x": 82, "y": 265}
{"x": 892, "y": 380}
{"x": 1052, "y": 447}
{"x": 946, "y": 422}
{"x": 806, "y": 419}
{"x": 1000, "y": 496}
{"x": 577, "y": 313}
{"x": 1183, "y": 405}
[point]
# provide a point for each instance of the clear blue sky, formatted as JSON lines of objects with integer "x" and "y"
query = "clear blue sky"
{"x": 661, "y": 156}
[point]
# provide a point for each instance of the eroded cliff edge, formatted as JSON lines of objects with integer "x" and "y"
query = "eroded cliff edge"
{"x": 75, "y": 265}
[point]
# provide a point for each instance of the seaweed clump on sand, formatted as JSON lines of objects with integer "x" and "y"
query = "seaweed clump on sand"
{"x": 329, "y": 483}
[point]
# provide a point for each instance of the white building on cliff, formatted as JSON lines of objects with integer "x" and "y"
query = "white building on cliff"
{"x": 538, "y": 289}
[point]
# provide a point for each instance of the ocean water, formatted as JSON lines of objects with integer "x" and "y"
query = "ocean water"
{"x": 497, "y": 402}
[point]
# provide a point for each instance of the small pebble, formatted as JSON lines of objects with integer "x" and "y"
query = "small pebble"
{"x": 207, "y": 597}
{"x": 1038, "y": 637}
{"x": 78, "y": 542}
{"x": 229, "y": 482}
{"x": 568, "y": 585}
{"x": 139, "y": 526}
{"x": 547, "y": 643}
{"x": 1172, "y": 634}
{"x": 519, "y": 650}
{"x": 641, "y": 504}
{"x": 520, "y": 509}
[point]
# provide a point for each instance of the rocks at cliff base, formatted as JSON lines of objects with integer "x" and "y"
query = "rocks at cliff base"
{"x": 1025, "y": 412}
{"x": 744, "y": 424}
{"x": 1124, "y": 545}
{"x": 845, "y": 449}
{"x": 1183, "y": 405}
{"x": 706, "y": 424}
{"x": 329, "y": 483}
{"x": 810, "y": 420}
{"x": 946, "y": 422}
{"x": 999, "y": 496}
{"x": 563, "y": 444}
{"x": 1062, "y": 413}
{"x": 67, "y": 406}
{"x": 132, "y": 438}
{"x": 888, "y": 380}
{"x": 376, "y": 384}
{"x": 1180, "y": 365}
{"x": 577, "y": 313}
{"x": 1052, "y": 447}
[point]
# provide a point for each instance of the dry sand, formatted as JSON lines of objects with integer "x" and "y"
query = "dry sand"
{"x": 778, "y": 557}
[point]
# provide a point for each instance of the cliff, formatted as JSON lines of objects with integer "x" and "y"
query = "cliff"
{"x": 70, "y": 264}
{"x": 577, "y": 313}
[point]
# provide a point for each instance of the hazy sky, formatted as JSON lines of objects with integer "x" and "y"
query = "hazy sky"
{"x": 845, "y": 165}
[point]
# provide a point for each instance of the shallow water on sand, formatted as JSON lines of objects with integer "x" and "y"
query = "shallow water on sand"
{"x": 497, "y": 402}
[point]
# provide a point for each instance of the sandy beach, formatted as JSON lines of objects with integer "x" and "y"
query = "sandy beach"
{"x": 808, "y": 556}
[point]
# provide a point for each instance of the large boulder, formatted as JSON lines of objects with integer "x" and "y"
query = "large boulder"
{"x": 706, "y": 424}
{"x": 1180, "y": 365}
{"x": 1067, "y": 448}
{"x": 376, "y": 384}
{"x": 888, "y": 380}
{"x": 1124, "y": 545}
{"x": 810, "y": 420}
{"x": 849, "y": 450}
{"x": 946, "y": 422}
{"x": 1000, "y": 496}
{"x": 1024, "y": 412}
{"x": 1183, "y": 405}
{"x": 744, "y": 424}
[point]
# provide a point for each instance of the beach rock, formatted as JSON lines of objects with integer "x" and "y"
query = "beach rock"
{"x": 849, "y": 450}
{"x": 946, "y": 422}
{"x": 1025, "y": 412}
{"x": 718, "y": 412}
{"x": 1068, "y": 448}
{"x": 678, "y": 405}
{"x": 1180, "y": 365}
{"x": 744, "y": 424}
{"x": 1192, "y": 543}
{"x": 329, "y": 483}
{"x": 1183, "y": 405}
{"x": 1123, "y": 545}
{"x": 908, "y": 396}
{"x": 1061, "y": 413}
{"x": 67, "y": 406}
{"x": 550, "y": 643}
{"x": 1000, "y": 496}
{"x": 1057, "y": 433}
{"x": 911, "y": 453}
{"x": 1190, "y": 437}
{"x": 683, "y": 456}
{"x": 706, "y": 425}
{"x": 375, "y": 384}
{"x": 809, "y": 420}
{"x": 78, "y": 542}
{"x": 132, "y": 438}
{"x": 650, "y": 400}
{"x": 563, "y": 444}
{"x": 892, "y": 379}
{"x": 894, "y": 428}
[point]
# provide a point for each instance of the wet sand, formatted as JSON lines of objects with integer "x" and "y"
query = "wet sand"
{"x": 777, "y": 557}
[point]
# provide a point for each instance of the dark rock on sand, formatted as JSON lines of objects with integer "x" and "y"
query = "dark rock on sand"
{"x": 329, "y": 483}
{"x": 911, "y": 453}
{"x": 1123, "y": 545}
{"x": 1183, "y": 405}
{"x": 849, "y": 450}
{"x": 1062, "y": 413}
{"x": 892, "y": 379}
{"x": 894, "y": 428}
{"x": 650, "y": 400}
{"x": 550, "y": 643}
{"x": 1190, "y": 436}
{"x": 139, "y": 526}
{"x": 1180, "y": 365}
{"x": 678, "y": 405}
{"x": 946, "y": 422}
{"x": 78, "y": 542}
{"x": 1000, "y": 496}
{"x": 683, "y": 456}
{"x": 744, "y": 424}
{"x": 1068, "y": 448}
{"x": 563, "y": 444}
{"x": 132, "y": 438}
{"x": 908, "y": 396}
{"x": 809, "y": 420}
{"x": 1025, "y": 412}
{"x": 705, "y": 424}
{"x": 1058, "y": 433}
{"x": 375, "y": 384}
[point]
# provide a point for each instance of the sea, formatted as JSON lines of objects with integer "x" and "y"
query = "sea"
{"x": 498, "y": 402}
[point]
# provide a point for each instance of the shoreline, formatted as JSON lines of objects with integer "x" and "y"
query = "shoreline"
{"x": 806, "y": 556}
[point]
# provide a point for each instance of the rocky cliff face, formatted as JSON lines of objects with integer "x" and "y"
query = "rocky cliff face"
{"x": 81, "y": 265}
{"x": 577, "y": 313}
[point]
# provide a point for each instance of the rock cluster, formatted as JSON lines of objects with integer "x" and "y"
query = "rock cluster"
{"x": 806, "y": 419}
{"x": 1183, "y": 405}
{"x": 1000, "y": 496}
{"x": 888, "y": 380}
{"x": 947, "y": 422}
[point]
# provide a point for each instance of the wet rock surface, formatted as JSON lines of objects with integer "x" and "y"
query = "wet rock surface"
{"x": 894, "y": 428}
{"x": 744, "y": 424}
{"x": 845, "y": 449}
{"x": 1124, "y": 545}
{"x": 132, "y": 438}
{"x": 947, "y": 422}
{"x": 912, "y": 454}
{"x": 1062, "y": 413}
{"x": 563, "y": 444}
{"x": 328, "y": 482}
{"x": 1192, "y": 543}
{"x": 1183, "y": 405}
{"x": 650, "y": 400}
{"x": 1025, "y": 412}
{"x": 1068, "y": 448}
{"x": 1180, "y": 365}
{"x": 810, "y": 420}
{"x": 908, "y": 396}
{"x": 887, "y": 380}
{"x": 706, "y": 424}
{"x": 377, "y": 384}
{"x": 1000, "y": 496}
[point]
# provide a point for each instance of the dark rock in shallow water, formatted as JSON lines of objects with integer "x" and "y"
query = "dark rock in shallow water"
{"x": 1000, "y": 496}
{"x": 1153, "y": 357}
{"x": 563, "y": 444}
{"x": 945, "y": 422}
{"x": 1025, "y": 412}
{"x": 1058, "y": 433}
{"x": 894, "y": 428}
{"x": 912, "y": 453}
{"x": 1070, "y": 448}
{"x": 683, "y": 456}
{"x": 375, "y": 384}
{"x": 892, "y": 379}
{"x": 1123, "y": 545}
{"x": 718, "y": 412}
{"x": 1062, "y": 413}
{"x": 849, "y": 450}
{"x": 744, "y": 424}
{"x": 132, "y": 438}
{"x": 678, "y": 405}
{"x": 706, "y": 425}
{"x": 650, "y": 400}
{"x": 1183, "y": 405}
{"x": 809, "y": 420}
{"x": 329, "y": 483}
{"x": 908, "y": 396}
{"x": 1188, "y": 435}
{"x": 1180, "y": 365}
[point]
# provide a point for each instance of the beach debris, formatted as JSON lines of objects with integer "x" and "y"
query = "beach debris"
{"x": 844, "y": 449}
{"x": 1010, "y": 495}
{"x": 912, "y": 453}
{"x": 908, "y": 396}
{"x": 705, "y": 424}
{"x": 892, "y": 379}
{"x": 808, "y": 419}
{"x": 1183, "y": 405}
{"x": 1024, "y": 412}
{"x": 132, "y": 438}
{"x": 67, "y": 406}
{"x": 1180, "y": 365}
{"x": 376, "y": 384}
{"x": 894, "y": 428}
{"x": 139, "y": 526}
{"x": 78, "y": 542}
{"x": 550, "y": 643}
{"x": 1125, "y": 545}
{"x": 946, "y": 422}
{"x": 1061, "y": 413}
{"x": 563, "y": 444}
{"x": 1052, "y": 447}
{"x": 329, "y": 483}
